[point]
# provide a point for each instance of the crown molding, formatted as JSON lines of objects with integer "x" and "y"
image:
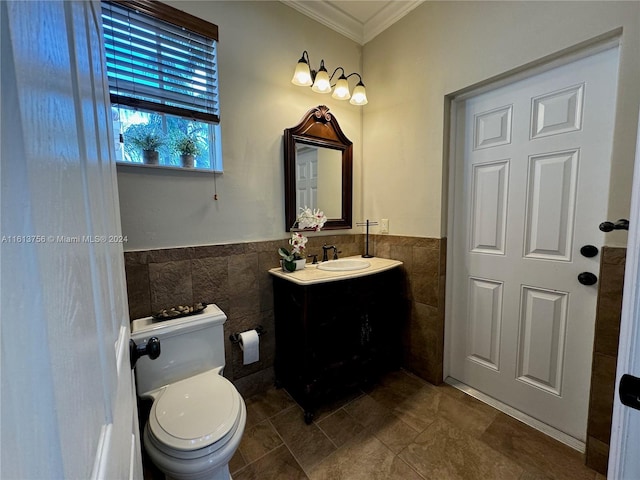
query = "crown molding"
{"x": 360, "y": 32}
{"x": 387, "y": 16}
{"x": 331, "y": 17}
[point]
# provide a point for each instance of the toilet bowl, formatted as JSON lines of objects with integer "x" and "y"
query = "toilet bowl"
{"x": 197, "y": 417}
{"x": 195, "y": 426}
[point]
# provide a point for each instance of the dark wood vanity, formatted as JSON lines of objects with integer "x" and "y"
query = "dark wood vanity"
{"x": 334, "y": 336}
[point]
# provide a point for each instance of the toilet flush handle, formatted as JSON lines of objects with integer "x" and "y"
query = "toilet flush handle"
{"x": 151, "y": 348}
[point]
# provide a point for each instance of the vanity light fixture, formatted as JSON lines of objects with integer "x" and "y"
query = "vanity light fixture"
{"x": 320, "y": 81}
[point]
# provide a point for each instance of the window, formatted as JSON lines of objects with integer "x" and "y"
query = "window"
{"x": 163, "y": 83}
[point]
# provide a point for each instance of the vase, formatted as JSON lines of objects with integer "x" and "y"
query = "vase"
{"x": 187, "y": 161}
{"x": 150, "y": 157}
{"x": 300, "y": 264}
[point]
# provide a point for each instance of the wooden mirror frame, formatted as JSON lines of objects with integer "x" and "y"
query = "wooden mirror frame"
{"x": 319, "y": 128}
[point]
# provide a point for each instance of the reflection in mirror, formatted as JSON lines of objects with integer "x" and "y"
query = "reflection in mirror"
{"x": 318, "y": 161}
{"x": 319, "y": 179}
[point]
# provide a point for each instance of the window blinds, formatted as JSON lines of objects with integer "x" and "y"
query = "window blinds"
{"x": 156, "y": 65}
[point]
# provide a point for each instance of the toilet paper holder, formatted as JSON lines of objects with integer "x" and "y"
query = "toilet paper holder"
{"x": 235, "y": 337}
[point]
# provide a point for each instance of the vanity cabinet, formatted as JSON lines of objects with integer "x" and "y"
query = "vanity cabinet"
{"x": 332, "y": 337}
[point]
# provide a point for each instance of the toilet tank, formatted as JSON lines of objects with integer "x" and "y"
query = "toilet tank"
{"x": 188, "y": 346}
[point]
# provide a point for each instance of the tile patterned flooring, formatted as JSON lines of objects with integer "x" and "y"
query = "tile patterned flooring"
{"x": 402, "y": 428}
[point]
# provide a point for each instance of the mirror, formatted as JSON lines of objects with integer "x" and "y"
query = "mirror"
{"x": 318, "y": 163}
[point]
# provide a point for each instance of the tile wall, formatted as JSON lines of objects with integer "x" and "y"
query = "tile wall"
{"x": 424, "y": 262}
{"x": 234, "y": 276}
{"x": 605, "y": 354}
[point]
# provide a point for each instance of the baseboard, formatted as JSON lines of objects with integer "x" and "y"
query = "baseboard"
{"x": 518, "y": 415}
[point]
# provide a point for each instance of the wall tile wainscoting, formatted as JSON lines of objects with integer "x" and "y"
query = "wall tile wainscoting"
{"x": 235, "y": 277}
{"x": 605, "y": 356}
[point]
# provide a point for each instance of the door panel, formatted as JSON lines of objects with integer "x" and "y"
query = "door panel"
{"x": 543, "y": 320}
{"x": 68, "y": 404}
{"x": 530, "y": 188}
{"x": 489, "y": 207}
{"x": 307, "y": 177}
{"x": 551, "y": 188}
{"x": 485, "y": 319}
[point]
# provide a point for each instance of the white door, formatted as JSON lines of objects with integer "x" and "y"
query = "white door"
{"x": 531, "y": 188}
{"x": 68, "y": 402}
{"x": 306, "y": 176}
{"x": 624, "y": 462}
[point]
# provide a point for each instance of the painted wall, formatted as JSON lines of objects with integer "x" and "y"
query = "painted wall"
{"x": 399, "y": 164}
{"x": 444, "y": 47}
{"x": 260, "y": 43}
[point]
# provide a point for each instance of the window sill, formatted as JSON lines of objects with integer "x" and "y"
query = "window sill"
{"x": 133, "y": 166}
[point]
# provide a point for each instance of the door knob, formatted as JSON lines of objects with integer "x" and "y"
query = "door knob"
{"x": 622, "y": 224}
{"x": 587, "y": 278}
{"x": 589, "y": 251}
{"x": 151, "y": 348}
{"x": 629, "y": 391}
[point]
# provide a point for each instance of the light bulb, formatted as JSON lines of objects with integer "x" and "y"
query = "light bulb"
{"x": 341, "y": 91}
{"x": 322, "y": 84}
{"x": 359, "y": 96}
{"x": 302, "y": 75}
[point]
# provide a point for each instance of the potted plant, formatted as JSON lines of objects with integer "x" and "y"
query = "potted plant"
{"x": 149, "y": 143}
{"x": 295, "y": 260}
{"x": 188, "y": 150}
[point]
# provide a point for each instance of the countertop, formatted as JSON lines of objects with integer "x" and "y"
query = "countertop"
{"x": 311, "y": 274}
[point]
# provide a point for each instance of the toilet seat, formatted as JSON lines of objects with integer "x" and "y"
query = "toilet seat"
{"x": 195, "y": 416}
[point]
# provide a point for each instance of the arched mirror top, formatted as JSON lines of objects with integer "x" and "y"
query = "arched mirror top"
{"x": 318, "y": 162}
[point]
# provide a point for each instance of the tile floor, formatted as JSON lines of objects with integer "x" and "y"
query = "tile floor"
{"x": 402, "y": 428}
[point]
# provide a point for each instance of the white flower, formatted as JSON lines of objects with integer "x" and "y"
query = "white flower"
{"x": 307, "y": 219}
{"x": 311, "y": 219}
{"x": 297, "y": 242}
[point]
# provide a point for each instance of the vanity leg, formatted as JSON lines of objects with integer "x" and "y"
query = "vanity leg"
{"x": 308, "y": 417}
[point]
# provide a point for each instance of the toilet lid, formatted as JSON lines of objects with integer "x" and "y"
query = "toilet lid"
{"x": 196, "y": 412}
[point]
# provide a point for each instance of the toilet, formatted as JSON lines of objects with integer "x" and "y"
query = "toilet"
{"x": 197, "y": 417}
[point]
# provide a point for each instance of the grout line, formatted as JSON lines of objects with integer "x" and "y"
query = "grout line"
{"x": 284, "y": 443}
{"x": 325, "y": 433}
{"x": 408, "y": 464}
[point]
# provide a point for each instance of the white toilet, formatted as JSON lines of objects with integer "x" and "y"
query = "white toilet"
{"x": 197, "y": 418}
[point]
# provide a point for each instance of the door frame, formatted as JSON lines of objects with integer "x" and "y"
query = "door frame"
{"x": 625, "y": 424}
{"x": 454, "y": 156}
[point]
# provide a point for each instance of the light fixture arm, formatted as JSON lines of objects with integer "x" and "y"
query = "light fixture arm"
{"x": 335, "y": 71}
{"x": 305, "y": 59}
{"x": 359, "y": 77}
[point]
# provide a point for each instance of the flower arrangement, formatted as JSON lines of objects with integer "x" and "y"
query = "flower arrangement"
{"x": 307, "y": 219}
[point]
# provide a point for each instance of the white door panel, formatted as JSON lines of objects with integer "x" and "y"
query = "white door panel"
{"x": 531, "y": 187}
{"x": 68, "y": 403}
{"x": 306, "y": 176}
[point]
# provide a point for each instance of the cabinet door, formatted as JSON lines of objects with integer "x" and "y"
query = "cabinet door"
{"x": 334, "y": 326}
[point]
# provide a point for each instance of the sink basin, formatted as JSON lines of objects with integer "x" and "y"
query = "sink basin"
{"x": 343, "y": 265}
